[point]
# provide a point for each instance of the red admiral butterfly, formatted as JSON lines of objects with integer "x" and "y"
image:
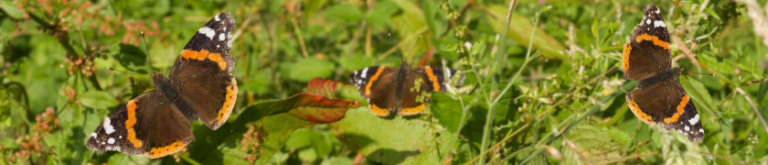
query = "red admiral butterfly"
{"x": 393, "y": 90}
{"x": 658, "y": 97}
{"x": 199, "y": 87}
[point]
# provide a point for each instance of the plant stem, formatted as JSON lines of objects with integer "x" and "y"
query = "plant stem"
{"x": 299, "y": 37}
{"x": 496, "y": 68}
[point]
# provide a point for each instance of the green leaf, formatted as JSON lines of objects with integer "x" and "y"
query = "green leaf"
{"x": 301, "y": 138}
{"x": 337, "y": 161}
{"x": 97, "y": 99}
{"x": 520, "y": 30}
{"x": 308, "y": 68}
{"x": 130, "y": 57}
{"x": 310, "y": 143}
{"x": 11, "y": 9}
{"x": 119, "y": 159}
{"x": 259, "y": 83}
{"x": 592, "y": 142}
{"x": 595, "y": 25}
{"x": 346, "y": 12}
{"x": 698, "y": 93}
{"x": 447, "y": 111}
{"x": 355, "y": 62}
{"x": 233, "y": 156}
{"x": 608, "y": 33}
{"x": 381, "y": 14}
{"x": 408, "y": 23}
{"x": 395, "y": 140}
{"x": 618, "y": 135}
{"x": 713, "y": 13}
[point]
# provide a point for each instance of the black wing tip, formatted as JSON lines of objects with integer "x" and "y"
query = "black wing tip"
{"x": 652, "y": 9}
{"x": 651, "y": 6}
{"x": 226, "y": 16}
{"x": 696, "y": 138}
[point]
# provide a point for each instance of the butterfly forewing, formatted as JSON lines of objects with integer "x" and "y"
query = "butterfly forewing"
{"x": 206, "y": 58}
{"x": 648, "y": 51}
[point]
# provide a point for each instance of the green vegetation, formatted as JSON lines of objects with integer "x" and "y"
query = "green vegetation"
{"x": 547, "y": 89}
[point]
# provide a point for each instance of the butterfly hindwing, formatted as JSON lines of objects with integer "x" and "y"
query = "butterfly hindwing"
{"x": 428, "y": 79}
{"x": 381, "y": 80}
{"x": 668, "y": 104}
{"x": 148, "y": 124}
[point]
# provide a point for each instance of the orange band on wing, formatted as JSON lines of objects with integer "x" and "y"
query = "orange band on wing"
{"x": 373, "y": 78}
{"x": 625, "y": 59}
{"x": 132, "y": 105}
{"x": 378, "y": 111}
{"x": 215, "y": 57}
{"x": 157, "y": 152}
{"x": 229, "y": 102}
{"x": 639, "y": 113}
{"x": 680, "y": 110}
{"x": 412, "y": 111}
{"x": 656, "y": 41}
{"x": 432, "y": 77}
{"x": 202, "y": 55}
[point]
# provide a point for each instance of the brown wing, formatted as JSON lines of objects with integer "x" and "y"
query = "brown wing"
{"x": 148, "y": 124}
{"x": 202, "y": 73}
{"x": 377, "y": 84}
{"x": 648, "y": 51}
{"x": 431, "y": 79}
{"x": 668, "y": 104}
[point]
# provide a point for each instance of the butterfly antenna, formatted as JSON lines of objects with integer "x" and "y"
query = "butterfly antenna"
{"x": 413, "y": 49}
{"x": 122, "y": 71}
{"x": 147, "y": 48}
{"x": 689, "y": 54}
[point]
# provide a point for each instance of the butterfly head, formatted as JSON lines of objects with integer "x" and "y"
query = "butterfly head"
{"x": 164, "y": 84}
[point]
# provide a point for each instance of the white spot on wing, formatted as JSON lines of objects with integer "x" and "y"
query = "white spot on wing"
{"x": 648, "y": 21}
{"x": 216, "y": 18}
{"x": 225, "y": 28}
{"x": 365, "y": 73}
{"x": 694, "y": 120}
{"x": 659, "y": 23}
{"x": 121, "y": 136}
{"x": 658, "y": 11}
{"x": 93, "y": 135}
{"x": 208, "y": 32}
{"x": 687, "y": 128}
{"x": 108, "y": 126}
{"x": 222, "y": 37}
{"x": 111, "y": 141}
{"x": 229, "y": 42}
{"x": 701, "y": 130}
